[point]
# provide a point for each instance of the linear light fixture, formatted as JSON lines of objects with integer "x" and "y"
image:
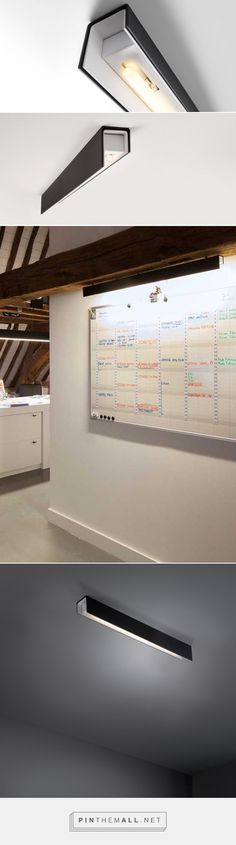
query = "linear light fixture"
{"x": 124, "y": 624}
{"x": 188, "y": 268}
{"x": 109, "y": 145}
{"x": 120, "y": 57}
{"x": 7, "y": 334}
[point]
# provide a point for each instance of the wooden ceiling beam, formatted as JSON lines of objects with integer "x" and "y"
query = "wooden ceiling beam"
{"x": 40, "y": 360}
{"x": 21, "y": 374}
{"x": 45, "y": 247}
{"x": 23, "y": 317}
{"x": 2, "y": 233}
{"x": 14, "y": 248}
{"x": 133, "y": 250}
{"x": 16, "y": 301}
{"x": 5, "y": 351}
{"x": 13, "y": 360}
{"x": 30, "y": 245}
{"x": 3, "y": 341}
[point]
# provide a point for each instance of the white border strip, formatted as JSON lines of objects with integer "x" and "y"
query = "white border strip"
{"x": 102, "y": 541}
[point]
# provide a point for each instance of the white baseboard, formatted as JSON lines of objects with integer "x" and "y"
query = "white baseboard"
{"x": 102, "y": 541}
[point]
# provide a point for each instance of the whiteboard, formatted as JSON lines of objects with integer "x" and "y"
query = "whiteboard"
{"x": 167, "y": 365}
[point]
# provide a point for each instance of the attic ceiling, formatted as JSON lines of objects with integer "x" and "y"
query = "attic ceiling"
{"x": 39, "y": 63}
{"x": 20, "y": 361}
{"x": 70, "y": 675}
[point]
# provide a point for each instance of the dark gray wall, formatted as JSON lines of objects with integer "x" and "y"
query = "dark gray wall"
{"x": 219, "y": 782}
{"x": 38, "y": 763}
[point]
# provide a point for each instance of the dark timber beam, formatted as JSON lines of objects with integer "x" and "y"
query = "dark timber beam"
{"x": 133, "y": 250}
{"x": 14, "y": 248}
{"x": 29, "y": 249}
{"x": 2, "y": 233}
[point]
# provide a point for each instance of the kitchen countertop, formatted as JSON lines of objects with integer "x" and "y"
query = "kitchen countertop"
{"x": 24, "y": 403}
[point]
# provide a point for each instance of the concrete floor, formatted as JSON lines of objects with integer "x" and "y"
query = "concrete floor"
{"x": 25, "y": 534}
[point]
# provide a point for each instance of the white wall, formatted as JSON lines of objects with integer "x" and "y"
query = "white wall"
{"x": 160, "y": 495}
{"x": 37, "y": 763}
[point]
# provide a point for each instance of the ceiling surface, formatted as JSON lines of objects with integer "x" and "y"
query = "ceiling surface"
{"x": 181, "y": 170}
{"x": 40, "y": 45}
{"x": 69, "y": 674}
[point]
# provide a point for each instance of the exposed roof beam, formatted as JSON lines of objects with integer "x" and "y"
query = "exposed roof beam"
{"x": 39, "y": 361}
{"x": 30, "y": 245}
{"x": 5, "y": 351}
{"x": 21, "y": 373}
{"x": 14, "y": 248}
{"x": 2, "y": 233}
{"x": 133, "y": 250}
{"x": 22, "y": 317}
{"x": 45, "y": 247}
{"x": 13, "y": 360}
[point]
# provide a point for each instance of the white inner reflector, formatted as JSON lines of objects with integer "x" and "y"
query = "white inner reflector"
{"x": 115, "y": 145}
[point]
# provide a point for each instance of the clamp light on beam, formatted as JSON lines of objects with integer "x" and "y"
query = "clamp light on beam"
{"x": 108, "y": 146}
{"x": 121, "y": 58}
{"x": 124, "y": 624}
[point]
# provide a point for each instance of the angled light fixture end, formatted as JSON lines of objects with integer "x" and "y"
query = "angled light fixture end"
{"x": 121, "y": 58}
{"x": 105, "y": 148}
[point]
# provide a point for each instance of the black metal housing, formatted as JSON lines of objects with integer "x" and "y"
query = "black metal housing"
{"x": 82, "y": 168}
{"x": 188, "y": 268}
{"x": 139, "y": 629}
{"x": 139, "y": 34}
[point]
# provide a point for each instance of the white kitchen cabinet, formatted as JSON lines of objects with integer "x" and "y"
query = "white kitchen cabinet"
{"x": 24, "y": 437}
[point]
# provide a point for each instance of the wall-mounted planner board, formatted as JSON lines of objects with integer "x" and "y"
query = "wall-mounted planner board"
{"x": 168, "y": 365}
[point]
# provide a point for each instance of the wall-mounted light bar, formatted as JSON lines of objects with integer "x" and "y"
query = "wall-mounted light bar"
{"x": 108, "y": 146}
{"x": 124, "y": 624}
{"x": 188, "y": 268}
{"x": 7, "y": 334}
{"x": 120, "y": 57}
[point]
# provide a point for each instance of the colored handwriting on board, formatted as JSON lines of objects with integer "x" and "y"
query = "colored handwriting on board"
{"x": 179, "y": 370}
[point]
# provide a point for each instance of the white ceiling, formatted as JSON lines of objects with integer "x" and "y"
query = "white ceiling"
{"x": 63, "y": 238}
{"x": 181, "y": 171}
{"x": 40, "y": 45}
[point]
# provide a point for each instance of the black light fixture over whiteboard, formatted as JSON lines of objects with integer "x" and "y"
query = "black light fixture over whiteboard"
{"x": 121, "y": 58}
{"x": 105, "y": 615}
{"x": 175, "y": 271}
{"x": 105, "y": 148}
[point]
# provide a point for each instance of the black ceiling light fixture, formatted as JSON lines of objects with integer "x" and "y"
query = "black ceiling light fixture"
{"x": 105, "y": 615}
{"x": 119, "y": 55}
{"x": 17, "y": 334}
{"x": 109, "y": 145}
{"x": 174, "y": 271}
